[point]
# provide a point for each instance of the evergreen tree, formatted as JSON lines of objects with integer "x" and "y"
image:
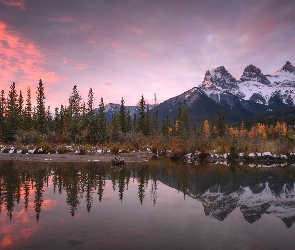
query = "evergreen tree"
{"x": 28, "y": 111}
{"x": 102, "y": 123}
{"x": 122, "y": 117}
{"x": 115, "y": 127}
{"x": 12, "y": 114}
{"x": 135, "y": 123}
{"x": 75, "y": 100}
{"x": 128, "y": 121}
{"x": 40, "y": 109}
{"x": 74, "y": 109}
{"x": 147, "y": 128}
{"x": 21, "y": 110}
{"x": 185, "y": 119}
{"x": 93, "y": 130}
{"x": 221, "y": 124}
{"x": 179, "y": 112}
{"x": 49, "y": 119}
{"x": 142, "y": 116}
{"x": 90, "y": 102}
{"x": 2, "y": 113}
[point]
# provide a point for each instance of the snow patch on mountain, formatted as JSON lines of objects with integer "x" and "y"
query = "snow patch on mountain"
{"x": 253, "y": 85}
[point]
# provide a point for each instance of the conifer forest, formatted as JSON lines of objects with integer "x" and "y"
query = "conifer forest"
{"x": 79, "y": 124}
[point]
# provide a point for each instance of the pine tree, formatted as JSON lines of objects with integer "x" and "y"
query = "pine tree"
{"x": 122, "y": 117}
{"x": 2, "y": 113}
{"x": 185, "y": 119}
{"x": 142, "y": 116}
{"x": 75, "y": 100}
{"x": 135, "y": 123}
{"x": 12, "y": 115}
{"x": 21, "y": 110}
{"x": 49, "y": 119}
{"x": 40, "y": 109}
{"x": 93, "y": 130}
{"x": 74, "y": 109}
{"x": 28, "y": 111}
{"x": 220, "y": 124}
{"x": 147, "y": 128}
{"x": 128, "y": 121}
{"x": 115, "y": 126}
{"x": 102, "y": 123}
{"x": 90, "y": 102}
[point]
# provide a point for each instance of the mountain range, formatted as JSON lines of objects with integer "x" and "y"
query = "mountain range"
{"x": 254, "y": 192}
{"x": 254, "y": 94}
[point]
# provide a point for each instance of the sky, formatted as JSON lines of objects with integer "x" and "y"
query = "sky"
{"x": 129, "y": 48}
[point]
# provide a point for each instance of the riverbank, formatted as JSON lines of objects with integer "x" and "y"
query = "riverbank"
{"x": 71, "y": 157}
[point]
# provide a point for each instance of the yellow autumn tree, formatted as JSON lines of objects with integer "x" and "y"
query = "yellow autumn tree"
{"x": 206, "y": 128}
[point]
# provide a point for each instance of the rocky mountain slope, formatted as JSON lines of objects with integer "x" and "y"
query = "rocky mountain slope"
{"x": 253, "y": 94}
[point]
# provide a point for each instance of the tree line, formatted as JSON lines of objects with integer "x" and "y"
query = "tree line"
{"x": 75, "y": 123}
{"x": 79, "y": 122}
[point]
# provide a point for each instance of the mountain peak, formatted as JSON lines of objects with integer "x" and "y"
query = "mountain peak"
{"x": 289, "y": 67}
{"x": 208, "y": 82}
{"x": 252, "y": 73}
{"x": 223, "y": 79}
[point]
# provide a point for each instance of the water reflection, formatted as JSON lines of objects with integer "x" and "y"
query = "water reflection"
{"x": 221, "y": 189}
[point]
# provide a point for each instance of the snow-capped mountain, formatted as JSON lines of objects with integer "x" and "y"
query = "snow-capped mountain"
{"x": 254, "y": 94}
{"x": 253, "y": 202}
{"x": 275, "y": 90}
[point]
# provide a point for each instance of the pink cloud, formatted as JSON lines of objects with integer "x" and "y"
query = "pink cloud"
{"x": 15, "y": 3}
{"x": 79, "y": 67}
{"x": 64, "y": 19}
{"x": 117, "y": 45}
{"x": 49, "y": 204}
{"x": 50, "y": 77}
{"x": 108, "y": 84}
{"x": 134, "y": 29}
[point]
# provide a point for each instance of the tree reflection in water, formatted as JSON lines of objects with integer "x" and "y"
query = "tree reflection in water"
{"x": 219, "y": 188}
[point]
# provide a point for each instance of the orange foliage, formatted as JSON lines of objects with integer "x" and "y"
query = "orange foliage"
{"x": 258, "y": 131}
{"x": 206, "y": 128}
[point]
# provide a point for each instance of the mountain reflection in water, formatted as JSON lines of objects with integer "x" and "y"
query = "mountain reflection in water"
{"x": 220, "y": 189}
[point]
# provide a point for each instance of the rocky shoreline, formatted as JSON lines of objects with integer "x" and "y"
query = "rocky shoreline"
{"x": 71, "y": 157}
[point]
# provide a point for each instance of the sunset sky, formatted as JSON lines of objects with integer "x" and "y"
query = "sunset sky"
{"x": 126, "y": 48}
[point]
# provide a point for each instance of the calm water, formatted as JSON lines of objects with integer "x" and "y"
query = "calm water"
{"x": 154, "y": 205}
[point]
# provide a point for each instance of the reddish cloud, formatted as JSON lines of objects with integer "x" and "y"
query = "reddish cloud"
{"x": 117, "y": 45}
{"x": 49, "y": 204}
{"x": 79, "y": 67}
{"x": 63, "y": 19}
{"x": 21, "y": 4}
{"x": 134, "y": 29}
{"x": 108, "y": 84}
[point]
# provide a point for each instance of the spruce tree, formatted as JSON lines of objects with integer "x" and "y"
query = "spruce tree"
{"x": 128, "y": 121}
{"x": 75, "y": 100}
{"x": 220, "y": 123}
{"x": 28, "y": 111}
{"x": 40, "y": 109}
{"x": 147, "y": 128}
{"x": 74, "y": 109}
{"x": 93, "y": 130}
{"x": 21, "y": 110}
{"x": 12, "y": 115}
{"x": 115, "y": 126}
{"x": 185, "y": 119}
{"x": 122, "y": 117}
{"x": 2, "y": 114}
{"x": 102, "y": 123}
{"x": 90, "y": 102}
{"x": 142, "y": 116}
